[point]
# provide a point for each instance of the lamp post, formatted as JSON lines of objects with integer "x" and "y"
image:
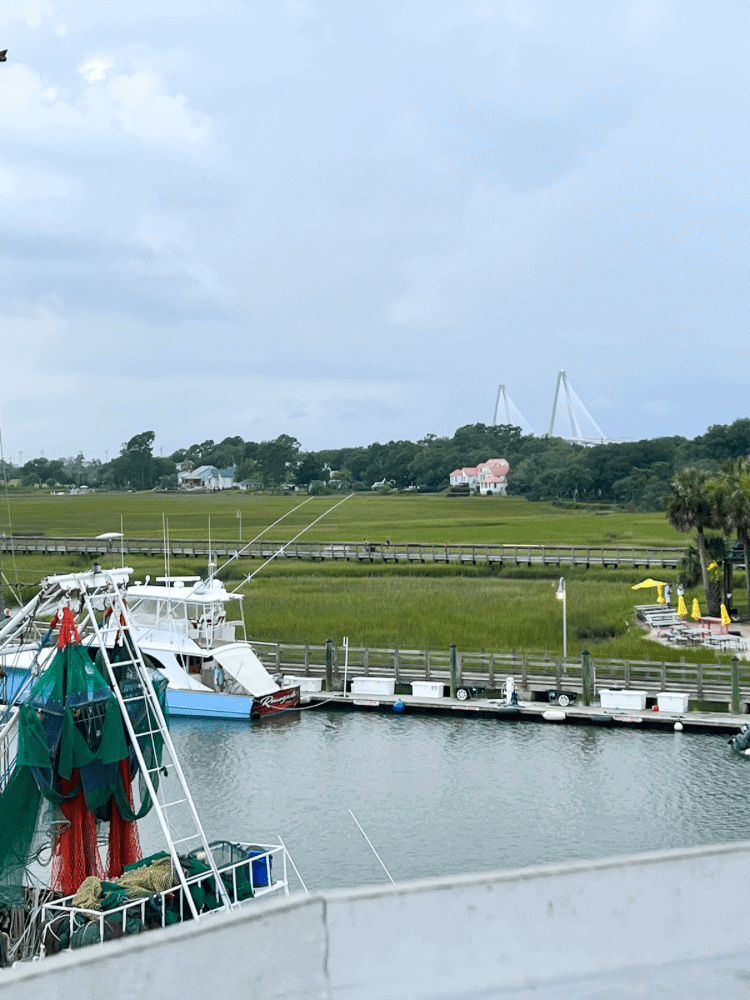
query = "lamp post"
{"x": 562, "y": 595}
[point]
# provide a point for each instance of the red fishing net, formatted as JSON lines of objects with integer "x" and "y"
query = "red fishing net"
{"x": 75, "y": 855}
{"x": 124, "y": 843}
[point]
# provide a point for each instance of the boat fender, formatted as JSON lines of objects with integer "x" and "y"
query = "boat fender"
{"x": 398, "y": 706}
{"x": 554, "y": 715}
{"x": 678, "y": 727}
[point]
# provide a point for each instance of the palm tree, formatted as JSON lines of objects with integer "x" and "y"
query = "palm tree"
{"x": 693, "y": 505}
{"x": 737, "y": 508}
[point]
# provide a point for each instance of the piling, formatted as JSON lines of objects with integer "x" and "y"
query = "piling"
{"x": 735, "y": 685}
{"x": 454, "y": 669}
{"x": 329, "y": 664}
{"x": 586, "y": 676}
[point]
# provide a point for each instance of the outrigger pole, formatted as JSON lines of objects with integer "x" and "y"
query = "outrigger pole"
{"x": 239, "y": 552}
{"x": 298, "y": 535}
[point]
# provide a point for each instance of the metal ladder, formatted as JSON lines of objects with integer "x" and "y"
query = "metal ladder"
{"x": 181, "y": 827}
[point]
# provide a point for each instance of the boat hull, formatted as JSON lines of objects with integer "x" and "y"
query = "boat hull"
{"x": 278, "y": 701}
{"x": 182, "y": 702}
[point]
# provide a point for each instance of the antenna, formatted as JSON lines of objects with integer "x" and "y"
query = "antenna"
{"x": 574, "y": 407}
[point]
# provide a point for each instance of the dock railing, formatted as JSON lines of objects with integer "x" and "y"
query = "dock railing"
{"x": 397, "y": 553}
{"x": 535, "y": 672}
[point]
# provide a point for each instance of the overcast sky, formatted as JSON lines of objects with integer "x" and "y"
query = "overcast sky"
{"x": 351, "y": 221}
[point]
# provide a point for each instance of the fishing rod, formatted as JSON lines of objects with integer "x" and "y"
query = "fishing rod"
{"x": 253, "y": 540}
{"x": 371, "y": 847}
{"x": 298, "y": 535}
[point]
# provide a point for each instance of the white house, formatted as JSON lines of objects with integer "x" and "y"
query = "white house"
{"x": 207, "y": 477}
{"x": 488, "y": 477}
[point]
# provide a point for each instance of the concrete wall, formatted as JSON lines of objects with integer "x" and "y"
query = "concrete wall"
{"x": 584, "y": 926}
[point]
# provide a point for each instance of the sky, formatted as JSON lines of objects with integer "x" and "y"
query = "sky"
{"x": 351, "y": 222}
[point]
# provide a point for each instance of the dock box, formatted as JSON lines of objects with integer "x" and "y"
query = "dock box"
{"x": 427, "y": 689}
{"x": 304, "y": 683}
{"x": 373, "y": 685}
{"x": 623, "y": 700}
{"x": 672, "y": 701}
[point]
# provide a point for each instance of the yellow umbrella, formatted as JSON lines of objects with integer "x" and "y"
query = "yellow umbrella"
{"x": 725, "y": 619}
{"x": 660, "y": 598}
{"x": 648, "y": 583}
{"x": 696, "y": 612}
{"x": 681, "y": 608}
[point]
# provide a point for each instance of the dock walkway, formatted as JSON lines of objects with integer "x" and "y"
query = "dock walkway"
{"x": 708, "y": 682}
{"x": 397, "y": 553}
{"x": 695, "y": 722}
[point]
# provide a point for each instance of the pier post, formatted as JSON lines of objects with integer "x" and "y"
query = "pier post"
{"x": 586, "y": 676}
{"x": 491, "y": 677}
{"x": 735, "y": 685}
{"x": 454, "y": 662}
{"x": 337, "y": 681}
{"x": 329, "y": 664}
{"x": 307, "y": 659}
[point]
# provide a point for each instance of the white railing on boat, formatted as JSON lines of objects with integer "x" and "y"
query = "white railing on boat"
{"x": 257, "y": 869}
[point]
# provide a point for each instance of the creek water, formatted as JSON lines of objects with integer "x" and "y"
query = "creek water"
{"x": 441, "y": 795}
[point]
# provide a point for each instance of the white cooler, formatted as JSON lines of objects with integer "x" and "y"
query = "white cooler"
{"x": 618, "y": 701}
{"x": 304, "y": 683}
{"x": 373, "y": 685}
{"x": 672, "y": 701}
{"x": 427, "y": 689}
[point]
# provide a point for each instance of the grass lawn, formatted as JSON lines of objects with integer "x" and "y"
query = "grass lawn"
{"x": 372, "y": 517}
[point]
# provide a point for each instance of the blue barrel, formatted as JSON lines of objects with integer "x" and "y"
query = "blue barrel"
{"x": 262, "y": 868}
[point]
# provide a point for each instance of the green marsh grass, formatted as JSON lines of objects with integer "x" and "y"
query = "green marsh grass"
{"x": 412, "y": 607}
{"x": 432, "y": 518}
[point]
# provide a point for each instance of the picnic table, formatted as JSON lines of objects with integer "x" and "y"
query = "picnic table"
{"x": 723, "y": 629}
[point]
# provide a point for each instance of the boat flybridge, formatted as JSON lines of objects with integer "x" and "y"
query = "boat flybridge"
{"x": 86, "y": 752}
{"x": 193, "y": 631}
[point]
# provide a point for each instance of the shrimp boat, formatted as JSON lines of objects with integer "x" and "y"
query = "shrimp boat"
{"x": 193, "y": 631}
{"x": 85, "y": 753}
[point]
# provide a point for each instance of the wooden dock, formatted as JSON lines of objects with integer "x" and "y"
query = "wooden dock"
{"x": 535, "y": 674}
{"x": 719, "y": 723}
{"x": 397, "y": 553}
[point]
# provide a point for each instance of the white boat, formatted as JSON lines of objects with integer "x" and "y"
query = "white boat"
{"x": 85, "y": 753}
{"x": 193, "y": 631}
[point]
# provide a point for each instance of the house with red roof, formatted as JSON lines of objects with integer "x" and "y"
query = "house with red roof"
{"x": 488, "y": 477}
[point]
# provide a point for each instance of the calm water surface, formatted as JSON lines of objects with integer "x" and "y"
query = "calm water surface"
{"x": 441, "y": 795}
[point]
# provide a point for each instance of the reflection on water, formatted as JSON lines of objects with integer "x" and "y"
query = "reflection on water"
{"x": 441, "y": 795}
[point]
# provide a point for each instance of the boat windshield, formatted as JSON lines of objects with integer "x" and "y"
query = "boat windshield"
{"x": 207, "y": 621}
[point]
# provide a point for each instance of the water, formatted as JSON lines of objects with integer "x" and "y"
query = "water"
{"x": 440, "y": 795}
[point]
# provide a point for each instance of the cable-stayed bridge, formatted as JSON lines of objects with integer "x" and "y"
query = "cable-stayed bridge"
{"x": 570, "y": 418}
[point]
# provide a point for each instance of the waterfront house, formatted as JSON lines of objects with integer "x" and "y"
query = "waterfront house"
{"x": 488, "y": 478}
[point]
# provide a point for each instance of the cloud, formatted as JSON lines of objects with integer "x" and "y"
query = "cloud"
{"x": 136, "y": 103}
{"x": 643, "y": 21}
{"x": 28, "y": 184}
{"x": 30, "y": 11}
{"x": 96, "y": 68}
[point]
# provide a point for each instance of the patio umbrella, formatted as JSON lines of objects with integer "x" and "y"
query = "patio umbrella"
{"x": 659, "y": 595}
{"x": 696, "y": 612}
{"x": 725, "y": 619}
{"x": 648, "y": 583}
{"x": 681, "y": 606}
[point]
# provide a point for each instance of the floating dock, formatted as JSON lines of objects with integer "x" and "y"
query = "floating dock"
{"x": 694, "y": 722}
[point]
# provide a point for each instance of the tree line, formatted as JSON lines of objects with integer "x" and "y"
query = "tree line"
{"x": 635, "y": 474}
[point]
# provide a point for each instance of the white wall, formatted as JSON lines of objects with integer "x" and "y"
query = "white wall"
{"x": 443, "y": 938}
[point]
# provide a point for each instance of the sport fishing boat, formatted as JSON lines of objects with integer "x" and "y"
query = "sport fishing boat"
{"x": 85, "y": 753}
{"x": 193, "y": 631}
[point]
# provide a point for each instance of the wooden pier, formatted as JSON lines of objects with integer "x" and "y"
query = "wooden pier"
{"x": 397, "y": 553}
{"x": 719, "y": 723}
{"x": 533, "y": 674}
